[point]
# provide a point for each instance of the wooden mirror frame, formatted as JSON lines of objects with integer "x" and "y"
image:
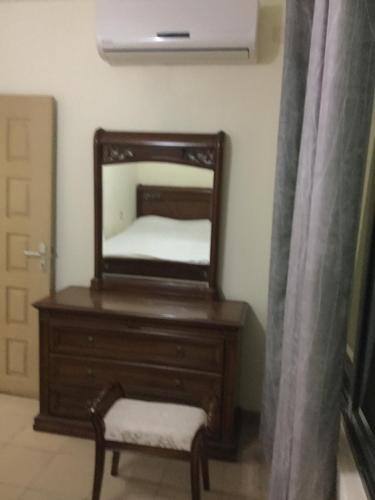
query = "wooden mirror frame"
{"x": 198, "y": 150}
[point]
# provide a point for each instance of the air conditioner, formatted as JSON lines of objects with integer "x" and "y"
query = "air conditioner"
{"x": 177, "y": 31}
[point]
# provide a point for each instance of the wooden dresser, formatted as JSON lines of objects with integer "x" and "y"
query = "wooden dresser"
{"x": 158, "y": 347}
{"x": 155, "y": 323}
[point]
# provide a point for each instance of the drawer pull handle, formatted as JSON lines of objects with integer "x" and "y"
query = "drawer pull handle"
{"x": 90, "y": 338}
{"x": 178, "y": 382}
{"x": 89, "y": 372}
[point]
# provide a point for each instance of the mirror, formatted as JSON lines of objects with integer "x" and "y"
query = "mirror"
{"x": 157, "y": 201}
{"x": 157, "y": 211}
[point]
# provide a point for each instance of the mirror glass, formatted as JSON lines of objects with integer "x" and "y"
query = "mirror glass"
{"x": 157, "y": 211}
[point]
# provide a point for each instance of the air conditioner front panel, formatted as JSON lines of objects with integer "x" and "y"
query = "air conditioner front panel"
{"x": 176, "y": 25}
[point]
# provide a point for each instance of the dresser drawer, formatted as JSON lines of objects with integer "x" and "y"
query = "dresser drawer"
{"x": 74, "y": 377}
{"x": 70, "y": 402}
{"x": 149, "y": 346}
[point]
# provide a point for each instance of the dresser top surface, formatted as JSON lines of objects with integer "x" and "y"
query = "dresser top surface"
{"x": 146, "y": 305}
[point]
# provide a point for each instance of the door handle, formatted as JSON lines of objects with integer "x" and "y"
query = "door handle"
{"x": 41, "y": 255}
{"x": 30, "y": 253}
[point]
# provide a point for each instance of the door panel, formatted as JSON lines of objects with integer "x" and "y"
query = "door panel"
{"x": 27, "y": 128}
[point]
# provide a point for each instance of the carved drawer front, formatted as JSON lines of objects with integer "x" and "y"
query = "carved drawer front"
{"x": 140, "y": 346}
{"x": 71, "y": 403}
{"x": 81, "y": 378}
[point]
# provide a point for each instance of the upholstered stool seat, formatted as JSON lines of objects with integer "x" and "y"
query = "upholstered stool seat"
{"x": 160, "y": 425}
{"x": 168, "y": 429}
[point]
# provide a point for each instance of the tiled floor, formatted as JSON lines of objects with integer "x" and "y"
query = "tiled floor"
{"x": 38, "y": 466}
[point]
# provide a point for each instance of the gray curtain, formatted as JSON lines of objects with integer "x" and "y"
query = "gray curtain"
{"x": 328, "y": 86}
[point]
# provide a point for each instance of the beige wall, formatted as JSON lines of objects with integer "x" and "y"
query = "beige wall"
{"x": 48, "y": 47}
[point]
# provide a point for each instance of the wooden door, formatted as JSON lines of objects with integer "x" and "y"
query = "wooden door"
{"x": 27, "y": 137}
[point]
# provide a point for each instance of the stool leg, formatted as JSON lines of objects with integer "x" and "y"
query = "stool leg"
{"x": 115, "y": 463}
{"x": 99, "y": 470}
{"x": 195, "y": 459}
{"x": 205, "y": 470}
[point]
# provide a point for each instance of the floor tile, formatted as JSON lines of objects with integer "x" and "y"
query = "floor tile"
{"x": 211, "y": 495}
{"x": 240, "y": 497}
{"x": 38, "y": 440}
{"x": 241, "y": 479}
{"x": 45, "y": 495}
{"x": 19, "y": 466}
{"x": 84, "y": 448}
{"x": 177, "y": 474}
{"x": 139, "y": 477}
{"x": 25, "y": 406}
{"x": 117, "y": 487}
{"x": 141, "y": 466}
{"x": 131, "y": 490}
{"x": 11, "y": 424}
{"x": 216, "y": 470}
{"x": 68, "y": 473}
{"x": 172, "y": 493}
{"x": 8, "y": 492}
{"x": 42, "y": 466}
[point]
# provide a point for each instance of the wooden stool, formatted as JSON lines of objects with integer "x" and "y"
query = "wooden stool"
{"x": 173, "y": 430}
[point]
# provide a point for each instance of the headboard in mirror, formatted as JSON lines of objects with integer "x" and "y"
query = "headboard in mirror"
{"x": 157, "y": 208}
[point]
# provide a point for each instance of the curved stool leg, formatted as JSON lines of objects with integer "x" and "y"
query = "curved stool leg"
{"x": 204, "y": 463}
{"x": 195, "y": 461}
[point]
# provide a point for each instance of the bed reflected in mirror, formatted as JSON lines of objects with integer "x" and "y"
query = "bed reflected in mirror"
{"x": 157, "y": 211}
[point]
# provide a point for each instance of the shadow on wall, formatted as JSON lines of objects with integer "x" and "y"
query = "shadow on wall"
{"x": 252, "y": 350}
{"x": 227, "y": 165}
{"x": 270, "y": 24}
{"x": 251, "y": 373}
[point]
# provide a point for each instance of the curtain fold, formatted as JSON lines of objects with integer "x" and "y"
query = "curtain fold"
{"x": 328, "y": 86}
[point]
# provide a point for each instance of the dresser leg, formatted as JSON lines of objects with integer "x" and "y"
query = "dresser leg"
{"x": 115, "y": 463}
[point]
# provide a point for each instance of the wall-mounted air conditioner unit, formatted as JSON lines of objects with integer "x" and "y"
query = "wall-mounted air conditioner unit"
{"x": 177, "y": 31}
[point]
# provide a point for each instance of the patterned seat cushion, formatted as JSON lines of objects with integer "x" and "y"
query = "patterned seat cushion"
{"x": 161, "y": 425}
